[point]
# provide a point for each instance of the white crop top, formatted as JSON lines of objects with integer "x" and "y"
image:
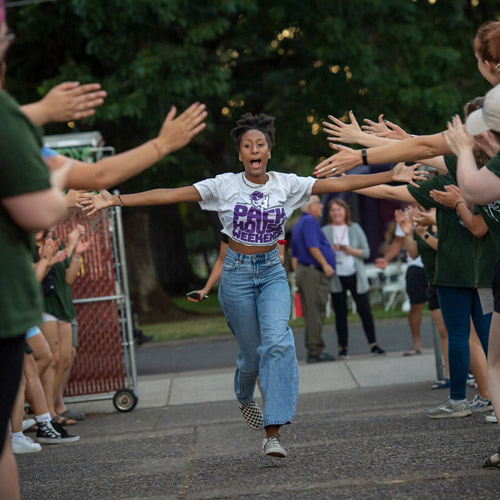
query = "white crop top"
{"x": 254, "y": 214}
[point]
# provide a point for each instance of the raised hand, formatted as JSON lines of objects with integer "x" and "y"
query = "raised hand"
{"x": 58, "y": 257}
{"x": 343, "y": 161}
{"x": 73, "y": 237}
{"x": 74, "y": 197}
{"x": 402, "y": 173}
{"x": 457, "y": 137}
{"x": 378, "y": 127}
{"x": 449, "y": 198}
{"x": 70, "y": 101}
{"x": 401, "y": 217}
{"x": 424, "y": 218}
{"x": 49, "y": 248}
{"x": 348, "y": 133}
{"x": 175, "y": 133}
{"x": 82, "y": 246}
{"x": 488, "y": 143}
{"x": 95, "y": 202}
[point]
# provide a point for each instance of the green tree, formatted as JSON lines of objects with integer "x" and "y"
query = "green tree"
{"x": 296, "y": 60}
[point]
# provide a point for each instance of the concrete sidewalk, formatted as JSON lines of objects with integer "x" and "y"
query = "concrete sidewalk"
{"x": 360, "y": 371}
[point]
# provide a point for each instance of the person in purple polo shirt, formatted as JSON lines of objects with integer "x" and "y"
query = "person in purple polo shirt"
{"x": 314, "y": 262}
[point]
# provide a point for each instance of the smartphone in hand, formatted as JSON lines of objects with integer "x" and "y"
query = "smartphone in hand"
{"x": 196, "y": 296}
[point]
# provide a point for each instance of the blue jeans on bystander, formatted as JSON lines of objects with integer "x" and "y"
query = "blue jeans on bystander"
{"x": 458, "y": 306}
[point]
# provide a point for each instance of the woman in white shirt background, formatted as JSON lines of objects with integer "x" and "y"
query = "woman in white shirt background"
{"x": 351, "y": 247}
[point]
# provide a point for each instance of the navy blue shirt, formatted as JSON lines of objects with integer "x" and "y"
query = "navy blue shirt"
{"x": 307, "y": 234}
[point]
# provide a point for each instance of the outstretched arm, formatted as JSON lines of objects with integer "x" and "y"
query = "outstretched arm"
{"x": 175, "y": 133}
{"x": 399, "y": 173}
{"x": 66, "y": 102}
{"x": 424, "y": 146}
{"x": 93, "y": 203}
{"x": 351, "y": 133}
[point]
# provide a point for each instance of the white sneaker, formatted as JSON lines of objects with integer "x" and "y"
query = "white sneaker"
{"x": 491, "y": 418}
{"x": 272, "y": 447}
{"x": 480, "y": 404}
{"x": 24, "y": 445}
{"x": 29, "y": 422}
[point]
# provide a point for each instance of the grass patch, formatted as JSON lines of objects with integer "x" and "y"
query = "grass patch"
{"x": 208, "y": 320}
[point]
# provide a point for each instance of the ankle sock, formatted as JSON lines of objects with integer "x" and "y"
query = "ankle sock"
{"x": 44, "y": 417}
{"x": 17, "y": 436}
{"x": 457, "y": 401}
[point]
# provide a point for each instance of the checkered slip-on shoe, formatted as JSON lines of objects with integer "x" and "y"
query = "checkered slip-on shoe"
{"x": 253, "y": 415}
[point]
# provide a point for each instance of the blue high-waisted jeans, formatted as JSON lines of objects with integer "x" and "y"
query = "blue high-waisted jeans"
{"x": 255, "y": 297}
{"x": 458, "y": 305}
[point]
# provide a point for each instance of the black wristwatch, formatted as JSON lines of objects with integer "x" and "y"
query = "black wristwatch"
{"x": 426, "y": 236}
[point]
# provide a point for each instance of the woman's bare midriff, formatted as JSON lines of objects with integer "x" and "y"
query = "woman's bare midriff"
{"x": 245, "y": 249}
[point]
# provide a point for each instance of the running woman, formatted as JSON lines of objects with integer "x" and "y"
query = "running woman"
{"x": 254, "y": 294}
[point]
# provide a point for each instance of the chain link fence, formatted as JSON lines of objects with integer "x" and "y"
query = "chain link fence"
{"x": 104, "y": 367}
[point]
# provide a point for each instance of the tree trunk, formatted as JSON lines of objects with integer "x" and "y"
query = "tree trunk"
{"x": 150, "y": 301}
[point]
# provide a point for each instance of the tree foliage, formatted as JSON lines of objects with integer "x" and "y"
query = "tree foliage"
{"x": 297, "y": 60}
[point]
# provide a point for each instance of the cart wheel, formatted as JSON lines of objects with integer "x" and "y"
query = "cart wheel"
{"x": 125, "y": 400}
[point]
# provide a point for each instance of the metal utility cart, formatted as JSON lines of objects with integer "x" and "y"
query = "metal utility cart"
{"x": 104, "y": 367}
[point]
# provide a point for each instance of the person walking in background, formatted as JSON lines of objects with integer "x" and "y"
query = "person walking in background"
{"x": 313, "y": 261}
{"x": 350, "y": 244}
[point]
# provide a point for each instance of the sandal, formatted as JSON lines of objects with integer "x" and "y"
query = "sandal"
{"x": 72, "y": 415}
{"x": 441, "y": 384}
{"x": 64, "y": 421}
{"x": 488, "y": 464}
{"x": 412, "y": 352}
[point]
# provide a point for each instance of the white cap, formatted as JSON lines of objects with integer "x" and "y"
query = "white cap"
{"x": 488, "y": 117}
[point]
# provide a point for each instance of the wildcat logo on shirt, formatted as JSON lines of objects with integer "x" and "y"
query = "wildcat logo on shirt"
{"x": 256, "y": 222}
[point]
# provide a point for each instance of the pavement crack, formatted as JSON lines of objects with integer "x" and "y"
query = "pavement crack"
{"x": 189, "y": 461}
{"x": 352, "y": 375}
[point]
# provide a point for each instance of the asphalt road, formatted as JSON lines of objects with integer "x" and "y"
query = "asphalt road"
{"x": 374, "y": 443}
{"x": 220, "y": 352}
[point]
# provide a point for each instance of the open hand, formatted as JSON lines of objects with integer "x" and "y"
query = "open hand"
{"x": 457, "y": 137}
{"x": 70, "y": 101}
{"x": 348, "y": 133}
{"x": 176, "y": 132}
{"x": 343, "y": 161}
{"x": 449, "y": 198}
{"x": 402, "y": 173}
{"x": 94, "y": 202}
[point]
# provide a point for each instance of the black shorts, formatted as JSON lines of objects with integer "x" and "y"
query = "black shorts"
{"x": 416, "y": 284}
{"x": 432, "y": 298}
{"x": 495, "y": 285}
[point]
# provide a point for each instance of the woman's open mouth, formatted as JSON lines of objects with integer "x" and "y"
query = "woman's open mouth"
{"x": 256, "y": 162}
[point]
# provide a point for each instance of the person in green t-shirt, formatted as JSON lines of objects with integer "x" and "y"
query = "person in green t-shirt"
{"x": 58, "y": 312}
{"x": 421, "y": 240}
{"x": 26, "y": 197}
{"x": 458, "y": 298}
{"x": 482, "y": 186}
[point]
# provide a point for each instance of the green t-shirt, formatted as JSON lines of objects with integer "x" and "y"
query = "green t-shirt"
{"x": 59, "y": 303}
{"x": 428, "y": 256}
{"x": 485, "y": 248}
{"x": 21, "y": 171}
{"x": 491, "y": 212}
{"x": 454, "y": 255}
